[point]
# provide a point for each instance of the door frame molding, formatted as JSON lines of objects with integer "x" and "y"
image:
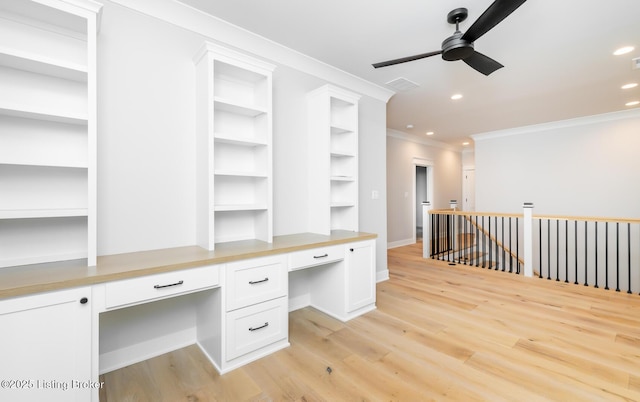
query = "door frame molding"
{"x": 430, "y": 165}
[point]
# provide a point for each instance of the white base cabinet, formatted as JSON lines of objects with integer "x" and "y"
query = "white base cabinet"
{"x": 343, "y": 289}
{"x": 251, "y": 313}
{"x": 46, "y": 347}
{"x": 53, "y": 345}
{"x": 360, "y": 276}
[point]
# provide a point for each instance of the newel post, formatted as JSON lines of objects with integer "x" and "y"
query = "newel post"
{"x": 528, "y": 239}
{"x": 453, "y": 204}
{"x": 426, "y": 229}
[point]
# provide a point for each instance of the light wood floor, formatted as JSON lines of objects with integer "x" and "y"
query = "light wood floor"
{"x": 439, "y": 333}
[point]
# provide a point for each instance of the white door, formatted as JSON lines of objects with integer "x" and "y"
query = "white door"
{"x": 361, "y": 275}
{"x": 45, "y": 346}
{"x": 469, "y": 190}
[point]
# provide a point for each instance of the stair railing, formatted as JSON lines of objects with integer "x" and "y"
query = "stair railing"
{"x": 593, "y": 251}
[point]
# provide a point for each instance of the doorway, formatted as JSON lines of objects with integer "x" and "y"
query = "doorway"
{"x": 422, "y": 191}
{"x": 421, "y": 195}
{"x": 468, "y": 189}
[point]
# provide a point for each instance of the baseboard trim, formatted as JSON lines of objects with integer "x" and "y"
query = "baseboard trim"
{"x": 400, "y": 243}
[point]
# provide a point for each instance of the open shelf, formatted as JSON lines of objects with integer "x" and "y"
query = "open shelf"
{"x": 47, "y": 131}
{"x": 241, "y": 207}
{"x": 229, "y": 105}
{"x": 42, "y": 213}
{"x": 333, "y": 159}
{"x": 47, "y": 239}
{"x": 225, "y": 138}
{"x": 234, "y": 179}
{"x": 40, "y": 64}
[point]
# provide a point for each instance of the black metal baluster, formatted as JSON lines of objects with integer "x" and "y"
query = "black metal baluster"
{"x": 575, "y": 243}
{"x": 489, "y": 236}
{"x": 496, "y": 244}
{"x": 548, "y": 249}
{"x": 510, "y": 252}
{"x": 617, "y": 256}
{"x": 586, "y": 241}
{"x": 557, "y": 250}
{"x": 452, "y": 243}
{"x": 484, "y": 245}
{"x": 566, "y": 251}
{"x": 606, "y": 255}
{"x": 503, "y": 244}
{"x": 540, "y": 236}
{"x": 434, "y": 231}
{"x": 477, "y": 244}
{"x": 441, "y": 239}
{"x": 464, "y": 225}
{"x": 629, "y": 256}
{"x": 596, "y": 251}
{"x": 517, "y": 247}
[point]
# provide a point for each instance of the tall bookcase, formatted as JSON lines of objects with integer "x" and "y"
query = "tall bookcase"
{"x": 333, "y": 159}
{"x": 47, "y": 131}
{"x": 234, "y": 166}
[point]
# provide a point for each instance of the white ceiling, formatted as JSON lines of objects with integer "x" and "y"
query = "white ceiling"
{"x": 557, "y": 56}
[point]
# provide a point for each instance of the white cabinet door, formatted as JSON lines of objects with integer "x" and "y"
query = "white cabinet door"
{"x": 361, "y": 275}
{"x": 45, "y": 347}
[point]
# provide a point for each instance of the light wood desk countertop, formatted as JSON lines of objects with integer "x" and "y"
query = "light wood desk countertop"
{"x": 30, "y": 279}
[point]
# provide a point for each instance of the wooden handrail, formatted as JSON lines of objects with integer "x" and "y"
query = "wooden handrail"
{"x": 551, "y": 217}
{"x": 471, "y": 213}
{"x": 586, "y": 218}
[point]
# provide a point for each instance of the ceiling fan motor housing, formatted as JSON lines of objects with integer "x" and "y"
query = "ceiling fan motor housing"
{"x": 456, "y": 48}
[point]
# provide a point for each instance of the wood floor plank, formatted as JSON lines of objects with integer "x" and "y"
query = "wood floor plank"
{"x": 440, "y": 332}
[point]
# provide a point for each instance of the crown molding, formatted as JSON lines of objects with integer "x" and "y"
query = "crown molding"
{"x": 225, "y": 33}
{"x": 560, "y": 124}
{"x": 423, "y": 141}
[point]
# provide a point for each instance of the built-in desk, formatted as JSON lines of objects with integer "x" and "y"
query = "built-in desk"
{"x": 70, "y": 322}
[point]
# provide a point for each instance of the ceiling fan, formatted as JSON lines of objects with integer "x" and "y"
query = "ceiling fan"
{"x": 459, "y": 46}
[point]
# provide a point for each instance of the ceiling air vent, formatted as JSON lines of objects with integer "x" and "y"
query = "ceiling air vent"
{"x": 402, "y": 84}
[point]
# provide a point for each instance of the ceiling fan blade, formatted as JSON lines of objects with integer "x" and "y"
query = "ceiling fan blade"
{"x": 484, "y": 64}
{"x": 406, "y": 59}
{"x": 492, "y": 16}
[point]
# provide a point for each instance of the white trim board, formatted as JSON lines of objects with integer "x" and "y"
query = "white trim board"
{"x": 579, "y": 121}
{"x": 189, "y": 18}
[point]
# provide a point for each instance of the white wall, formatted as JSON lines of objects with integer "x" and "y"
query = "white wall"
{"x": 372, "y": 176}
{"x": 586, "y": 166}
{"x": 146, "y": 135}
{"x": 447, "y": 182}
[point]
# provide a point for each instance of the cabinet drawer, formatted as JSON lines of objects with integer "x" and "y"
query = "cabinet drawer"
{"x": 159, "y": 286}
{"x": 253, "y": 327}
{"x": 254, "y": 281}
{"x": 316, "y": 256}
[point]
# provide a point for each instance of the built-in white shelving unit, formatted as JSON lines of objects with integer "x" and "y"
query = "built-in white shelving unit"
{"x": 47, "y": 131}
{"x": 234, "y": 166}
{"x": 333, "y": 159}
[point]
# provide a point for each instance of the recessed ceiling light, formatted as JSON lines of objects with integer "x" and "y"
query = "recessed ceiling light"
{"x": 632, "y": 103}
{"x": 465, "y": 143}
{"x": 623, "y": 50}
{"x": 629, "y": 85}
{"x": 429, "y": 133}
{"x": 456, "y": 96}
{"x": 409, "y": 125}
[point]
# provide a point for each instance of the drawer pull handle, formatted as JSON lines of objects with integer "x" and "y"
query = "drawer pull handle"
{"x": 254, "y": 282}
{"x": 321, "y": 256}
{"x": 169, "y": 285}
{"x": 266, "y": 324}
